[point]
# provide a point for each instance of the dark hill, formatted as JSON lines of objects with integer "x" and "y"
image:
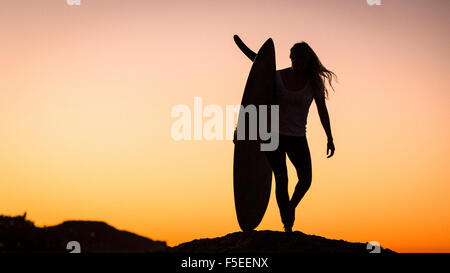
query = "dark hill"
{"x": 271, "y": 242}
{"x": 20, "y": 235}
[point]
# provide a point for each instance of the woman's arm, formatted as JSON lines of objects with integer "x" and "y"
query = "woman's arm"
{"x": 247, "y": 51}
{"x": 325, "y": 120}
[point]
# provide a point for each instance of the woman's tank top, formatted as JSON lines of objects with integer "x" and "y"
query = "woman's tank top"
{"x": 294, "y": 107}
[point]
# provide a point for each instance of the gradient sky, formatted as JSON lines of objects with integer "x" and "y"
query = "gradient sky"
{"x": 86, "y": 93}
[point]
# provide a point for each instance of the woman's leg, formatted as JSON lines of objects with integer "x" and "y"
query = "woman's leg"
{"x": 277, "y": 160}
{"x": 300, "y": 157}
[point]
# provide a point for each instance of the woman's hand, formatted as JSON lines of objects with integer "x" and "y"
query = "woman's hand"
{"x": 330, "y": 148}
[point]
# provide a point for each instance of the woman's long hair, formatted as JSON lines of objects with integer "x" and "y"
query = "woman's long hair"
{"x": 314, "y": 68}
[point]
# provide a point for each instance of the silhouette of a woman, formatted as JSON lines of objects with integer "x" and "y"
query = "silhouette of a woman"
{"x": 296, "y": 87}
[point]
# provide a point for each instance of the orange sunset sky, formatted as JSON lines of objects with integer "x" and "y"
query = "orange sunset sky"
{"x": 86, "y": 94}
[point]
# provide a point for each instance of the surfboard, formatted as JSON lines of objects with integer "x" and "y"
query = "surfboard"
{"x": 252, "y": 175}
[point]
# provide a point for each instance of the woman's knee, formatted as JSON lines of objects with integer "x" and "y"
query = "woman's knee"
{"x": 304, "y": 173}
{"x": 304, "y": 182}
{"x": 281, "y": 180}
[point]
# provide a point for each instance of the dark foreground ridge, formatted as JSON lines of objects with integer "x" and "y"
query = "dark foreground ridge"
{"x": 275, "y": 242}
{"x": 19, "y": 235}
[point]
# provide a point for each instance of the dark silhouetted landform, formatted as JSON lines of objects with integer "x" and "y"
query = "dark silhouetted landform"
{"x": 18, "y": 234}
{"x": 275, "y": 242}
